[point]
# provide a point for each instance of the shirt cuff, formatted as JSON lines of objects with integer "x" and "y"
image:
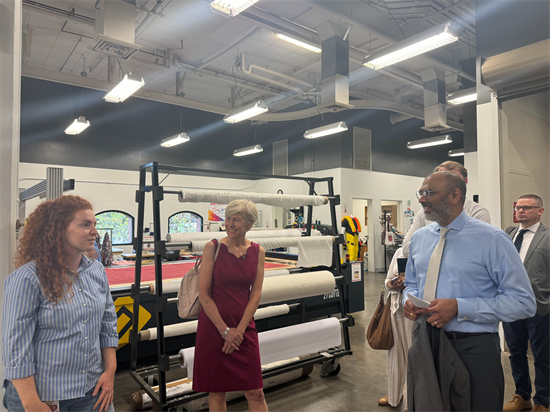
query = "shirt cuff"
{"x": 466, "y": 309}
{"x": 108, "y": 341}
{"x": 20, "y": 372}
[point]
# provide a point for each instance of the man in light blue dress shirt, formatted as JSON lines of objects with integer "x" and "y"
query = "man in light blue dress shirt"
{"x": 481, "y": 282}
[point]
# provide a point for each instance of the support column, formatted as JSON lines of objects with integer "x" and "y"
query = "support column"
{"x": 488, "y": 150}
{"x": 10, "y": 95}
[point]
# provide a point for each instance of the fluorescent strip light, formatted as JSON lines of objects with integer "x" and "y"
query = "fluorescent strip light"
{"x": 325, "y": 130}
{"x": 246, "y": 112}
{"x": 248, "y": 150}
{"x": 297, "y": 42}
{"x": 463, "y": 96}
{"x": 456, "y": 152}
{"x": 175, "y": 140}
{"x": 432, "y": 141}
{"x": 127, "y": 87}
{"x": 77, "y": 126}
{"x": 413, "y": 46}
{"x": 230, "y": 8}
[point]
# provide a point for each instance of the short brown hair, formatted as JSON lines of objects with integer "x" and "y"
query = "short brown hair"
{"x": 449, "y": 164}
{"x": 536, "y": 198}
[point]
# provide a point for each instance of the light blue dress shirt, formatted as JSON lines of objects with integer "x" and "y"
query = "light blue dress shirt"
{"x": 480, "y": 267}
{"x": 59, "y": 344}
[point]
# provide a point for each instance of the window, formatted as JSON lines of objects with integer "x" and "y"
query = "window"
{"x": 119, "y": 225}
{"x": 185, "y": 222}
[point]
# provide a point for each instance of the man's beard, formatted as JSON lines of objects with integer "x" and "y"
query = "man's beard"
{"x": 440, "y": 213}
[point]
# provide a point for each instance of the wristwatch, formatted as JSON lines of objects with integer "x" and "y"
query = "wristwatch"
{"x": 224, "y": 334}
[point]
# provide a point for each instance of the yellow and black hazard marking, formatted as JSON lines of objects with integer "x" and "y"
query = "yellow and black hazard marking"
{"x": 125, "y": 309}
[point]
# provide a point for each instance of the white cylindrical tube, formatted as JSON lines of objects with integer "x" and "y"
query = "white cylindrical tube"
{"x": 224, "y": 197}
{"x": 297, "y": 286}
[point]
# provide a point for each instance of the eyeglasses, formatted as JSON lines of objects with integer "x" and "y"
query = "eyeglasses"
{"x": 426, "y": 193}
{"x": 526, "y": 208}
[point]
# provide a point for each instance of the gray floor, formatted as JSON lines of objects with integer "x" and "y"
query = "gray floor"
{"x": 363, "y": 378}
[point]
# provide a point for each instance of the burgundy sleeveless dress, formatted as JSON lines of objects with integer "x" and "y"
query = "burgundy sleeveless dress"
{"x": 213, "y": 370}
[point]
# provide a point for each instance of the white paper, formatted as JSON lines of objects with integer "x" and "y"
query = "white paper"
{"x": 419, "y": 303}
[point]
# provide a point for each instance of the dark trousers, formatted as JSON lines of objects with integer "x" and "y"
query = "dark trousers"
{"x": 481, "y": 356}
{"x": 518, "y": 334}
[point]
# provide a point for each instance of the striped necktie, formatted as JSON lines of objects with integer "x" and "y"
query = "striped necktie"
{"x": 519, "y": 239}
{"x": 433, "y": 267}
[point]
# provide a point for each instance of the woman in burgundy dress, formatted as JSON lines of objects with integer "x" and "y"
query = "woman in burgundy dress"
{"x": 227, "y": 353}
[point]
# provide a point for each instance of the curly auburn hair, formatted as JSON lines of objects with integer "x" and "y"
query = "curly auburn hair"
{"x": 44, "y": 242}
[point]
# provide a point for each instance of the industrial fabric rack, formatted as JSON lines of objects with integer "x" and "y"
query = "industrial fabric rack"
{"x": 328, "y": 358}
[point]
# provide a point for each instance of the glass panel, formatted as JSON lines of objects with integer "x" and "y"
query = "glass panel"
{"x": 185, "y": 222}
{"x": 121, "y": 225}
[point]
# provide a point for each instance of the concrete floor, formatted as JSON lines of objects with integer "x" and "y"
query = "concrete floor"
{"x": 363, "y": 378}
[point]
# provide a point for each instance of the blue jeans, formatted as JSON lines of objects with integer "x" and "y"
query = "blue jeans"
{"x": 518, "y": 335}
{"x": 12, "y": 401}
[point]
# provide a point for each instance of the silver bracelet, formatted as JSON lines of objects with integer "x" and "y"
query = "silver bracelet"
{"x": 224, "y": 334}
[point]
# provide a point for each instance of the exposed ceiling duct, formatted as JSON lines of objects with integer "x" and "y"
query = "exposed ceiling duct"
{"x": 115, "y": 29}
{"x": 518, "y": 71}
{"x": 435, "y": 101}
{"x": 334, "y": 66}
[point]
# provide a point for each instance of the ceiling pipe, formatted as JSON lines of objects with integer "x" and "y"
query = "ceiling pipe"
{"x": 242, "y": 68}
{"x": 253, "y": 67}
{"x": 59, "y": 13}
{"x": 382, "y": 36}
{"x": 202, "y": 65}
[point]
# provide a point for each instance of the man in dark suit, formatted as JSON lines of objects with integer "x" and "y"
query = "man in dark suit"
{"x": 532, "y": 240}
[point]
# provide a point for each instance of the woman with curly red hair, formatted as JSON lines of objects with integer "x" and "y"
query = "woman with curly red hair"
{"x": 59, "y": 322}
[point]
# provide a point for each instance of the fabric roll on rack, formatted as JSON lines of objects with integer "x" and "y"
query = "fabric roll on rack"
{"x": 312, "y": 251}
{"x": 297, "y": 286}
{"x": 263, "y": 198}
{"x": 188, "y": 237}
{"x": 186, "y": 328}
{"x": 285, "y": 343}
{"x": 276, "y": 272}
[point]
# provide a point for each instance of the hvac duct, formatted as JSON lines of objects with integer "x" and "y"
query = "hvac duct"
{"x": 115, "y": 29}
{"x": 435, "y": 101}
{"x": 334, "y": 67}
{"x": 518, "y": 71}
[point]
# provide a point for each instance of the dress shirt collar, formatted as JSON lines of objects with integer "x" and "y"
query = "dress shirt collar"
{"x": 532, "y": 228}
{"x": 85, "y": 263}
{"x": 456, "y": 224}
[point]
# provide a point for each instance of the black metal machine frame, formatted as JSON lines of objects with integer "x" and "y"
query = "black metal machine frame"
{"x": 329, "y": 357}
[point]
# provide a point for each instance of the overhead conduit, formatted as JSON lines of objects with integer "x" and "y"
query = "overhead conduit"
{"x": 518, "y": 71}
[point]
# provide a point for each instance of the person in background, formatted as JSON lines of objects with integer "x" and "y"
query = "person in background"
{"x": 227, "y": 351}
{"x": 59, "y": 330}
{"x": 532, "y": 240}
{"x": 470, "y": 207}
{"x": 402, "y": 329}
{"x": 478, "y": 281}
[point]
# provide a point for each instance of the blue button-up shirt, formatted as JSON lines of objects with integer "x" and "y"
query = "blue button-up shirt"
{"x": 59, "y": 344}
{"x": 480, "y": 267}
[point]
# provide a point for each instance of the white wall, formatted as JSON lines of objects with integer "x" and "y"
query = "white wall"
{"x": 525, "y": 142}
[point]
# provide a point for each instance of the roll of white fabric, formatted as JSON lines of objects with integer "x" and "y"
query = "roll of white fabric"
{"x": 186, "y": 328}
{"x": 297, "y": 340}
{"x": 263, "y": 198}
{"x": 312, "y": 251}
{"x": 285, "y": 343}
{"x": 276, "y": 272}
{"x": 297, "y": 286}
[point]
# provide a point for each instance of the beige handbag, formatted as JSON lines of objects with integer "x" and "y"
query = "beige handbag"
{"x": 189, "y": 305}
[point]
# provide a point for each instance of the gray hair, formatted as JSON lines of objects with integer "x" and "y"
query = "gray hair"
{"x": 246, "y": 207}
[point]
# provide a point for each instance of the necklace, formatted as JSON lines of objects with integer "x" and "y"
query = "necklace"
{"x": 243, "y": 257}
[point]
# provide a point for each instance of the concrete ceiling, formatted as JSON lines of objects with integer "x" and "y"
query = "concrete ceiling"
{"x": 186, "y": 36}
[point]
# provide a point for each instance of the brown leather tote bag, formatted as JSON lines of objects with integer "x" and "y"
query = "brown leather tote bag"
{"x": 379, "y": 333}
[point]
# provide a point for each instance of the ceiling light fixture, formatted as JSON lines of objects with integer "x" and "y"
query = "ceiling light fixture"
{"x": 248, "y": 150}
{"x": 246, "y": 112}
{"x": 463, "y": 96}
{"x": 127, "y": 87}
{"x": 230, "y": 8}
{"x": 175, "y": 140}
{"x": 77, "y": 126}
{"x": 300, "y": 43}
{"x": 413, "y": 46}
{"x": 326, "y": 130}
{"x": 432, "y": 141}
{"x": 456, "y": 152}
